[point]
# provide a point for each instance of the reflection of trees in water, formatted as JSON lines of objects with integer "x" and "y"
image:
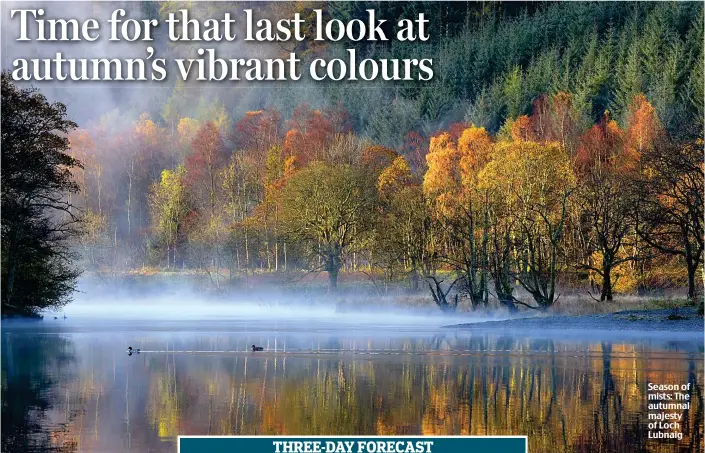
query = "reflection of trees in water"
{"x": 610, "y": 432}
{"x": 693, "y": 428}
{"x": 564, "y": 397}
{"x": 30, "y": 367}
{"x": 610, "y": 399}
{"x": 590, "y": 401}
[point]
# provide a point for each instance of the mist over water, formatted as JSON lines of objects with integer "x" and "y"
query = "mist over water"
{"x": 272, "y": 306}
{"x": 344, "y": 364}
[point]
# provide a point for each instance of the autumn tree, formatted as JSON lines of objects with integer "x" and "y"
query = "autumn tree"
{"x": 502, "y": 222}
{"x": 90, "y": 180}
{"x": 169, "y": 205}
{"x": 206, "y": 157}
{"x": 268, "y": 211}
{"x": 377, "y": 158}
{"x": 144, "y": 160}
{"x": 535, "y": 181}
{"x": 242, "y": 191}
{"x": 553, "y": 119}
{"x": 459, "y": 205}
{"x": 603, "y": 166}
{"x": 670, "y": 205}
{"x": 404, "y": 234}
{"x": 328, "y": 208}
{"x": 203, "y": 168}
{"x": 257, "y": 131}
{"x": 186, "y": 131}
{"x": 310, "y": 132}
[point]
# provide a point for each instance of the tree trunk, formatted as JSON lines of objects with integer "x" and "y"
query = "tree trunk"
{"x": 606, "y": 285}
{"x": 247, "y": 251}
{"x": 129, "y": 197}
{"x": 12, "y": 266}
{"x": 332, "y": 280}
{"x": 508, "y": 301}
{"x": 692, "y": 268}
{"x": 440, "y": 297}
{"x": 415, "y": 279}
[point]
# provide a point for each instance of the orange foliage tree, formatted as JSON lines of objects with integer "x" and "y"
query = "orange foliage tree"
{"x": 607, "y": 161}
{"x": 460, "y": 207}
{"x": 206, "y": 157}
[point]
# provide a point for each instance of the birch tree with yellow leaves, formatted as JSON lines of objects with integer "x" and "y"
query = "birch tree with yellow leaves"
{"x": 532, "y": 183}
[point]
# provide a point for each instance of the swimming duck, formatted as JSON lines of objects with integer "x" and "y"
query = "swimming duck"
{"x": 130, "y": 350}
{"x": 257, "y": 348}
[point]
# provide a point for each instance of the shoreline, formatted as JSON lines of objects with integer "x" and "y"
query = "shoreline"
{"x": 686, "y": 321}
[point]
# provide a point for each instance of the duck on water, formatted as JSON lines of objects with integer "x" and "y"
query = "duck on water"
{"x": 131, "y": 351}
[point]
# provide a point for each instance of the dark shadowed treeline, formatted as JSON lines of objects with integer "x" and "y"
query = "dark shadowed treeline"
{"x": 38, "y": 223}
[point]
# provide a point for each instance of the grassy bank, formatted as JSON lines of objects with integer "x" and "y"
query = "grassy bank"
{"x": 683, "y": 320}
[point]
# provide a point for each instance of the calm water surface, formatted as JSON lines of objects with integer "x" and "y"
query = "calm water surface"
{"x": 69, "y": 386}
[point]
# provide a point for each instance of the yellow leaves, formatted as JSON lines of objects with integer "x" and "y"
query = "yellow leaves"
{"x": 187, "y": 129}
{"x": 148, "y": 131}
{"x": 474, "y": 146}
{"x": 474, "y": 140}
{"x": 94, "y": 222}
{"x": 170, "y": 178}
{"x": 643, "y": 126}
{"x": 168, "y": 204}
{"x": 528, "y": 173}
{"x": 451, "y": 177}
{"x": 394, "y": 177}
{"x": 441, "y": 142}
{"x": 624, "y": 275}
{"x": 289, "y": 166}
{"x": 442, "y": 160}
{"x": 274, "y": 168}
{"x": 442, "y": 179}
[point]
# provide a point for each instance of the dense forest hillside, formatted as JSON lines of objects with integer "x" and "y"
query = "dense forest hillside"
{"x": 558, "y": 144}
{"x": 493, "y": 60}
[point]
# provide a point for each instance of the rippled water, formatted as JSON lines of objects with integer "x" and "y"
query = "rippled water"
{"x": 70, "y": 386}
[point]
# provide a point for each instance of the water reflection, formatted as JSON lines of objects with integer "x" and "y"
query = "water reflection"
{"x": 76, "y": 390}
{"x": 32, "y": 374}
